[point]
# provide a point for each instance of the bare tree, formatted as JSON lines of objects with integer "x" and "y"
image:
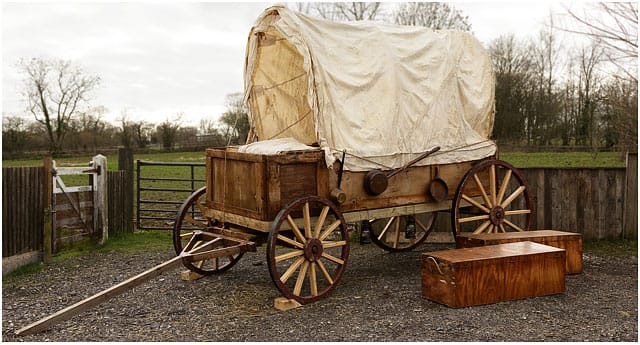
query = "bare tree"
{"x": 513, "y": 71}
{"x": 434, "y": 15}
{"x": 14, "y": 134}
{"x": 545, "y": 53}
{"x": 168, "y": 130}
{"x": 56, "y": 91}
{"x": 234, "y": 120}
{"x": 620, "y": 114}
{"x": 587, "y": 125}
{"x": 340, "y": 11}
{"x": 614, "y": 26}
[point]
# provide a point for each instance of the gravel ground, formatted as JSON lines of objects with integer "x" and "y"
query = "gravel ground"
{"x": 378, "y": 299}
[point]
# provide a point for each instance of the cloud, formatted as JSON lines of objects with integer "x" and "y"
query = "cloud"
{"x": 157, "y": 58}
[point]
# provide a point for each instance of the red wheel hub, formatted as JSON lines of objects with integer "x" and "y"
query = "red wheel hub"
{"x": 313, "y": 250}
{"x": 497, "y": 215}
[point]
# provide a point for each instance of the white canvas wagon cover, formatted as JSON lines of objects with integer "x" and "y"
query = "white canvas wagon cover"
{"x": 384, "y": 93}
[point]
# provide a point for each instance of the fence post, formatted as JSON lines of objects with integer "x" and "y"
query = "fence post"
{"x": 100, "y": 202}
{"x": 630, "y": 216}
{"x": 125, "y": 162}
{"x": 138, "y": 194}
{"x": 47, "y": 183}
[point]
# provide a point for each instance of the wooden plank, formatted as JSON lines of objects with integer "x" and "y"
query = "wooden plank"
{"x": 47, "y": 184}
{"x": 630, "y": 213}
{"x": 74, "y": 189}
{"x": 284, "y": 304}
{"x": 602, "y": 205}
{"x": 61, "y": 171}
{"x": 100, "y": 297}
{"x": 615, "y": 193}
{"x": 570, "y": 197}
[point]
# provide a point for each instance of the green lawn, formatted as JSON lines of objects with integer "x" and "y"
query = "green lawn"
{"x": 112, "y": 160}
{"x": 518, "y": 159}
{"x": 564, "y": 159}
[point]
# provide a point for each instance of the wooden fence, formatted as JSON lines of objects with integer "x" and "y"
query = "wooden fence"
{"x": 587, "y": 201}
{"x": 22, "y": 210}
{"x": 117, "y": 203}
{"x": 24, "y": 204}
{"x": 599, "y": 203}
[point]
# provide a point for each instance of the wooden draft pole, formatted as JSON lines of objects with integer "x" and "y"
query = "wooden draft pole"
{"x": 192, "y": 253}
{"x": 98, "y": 298}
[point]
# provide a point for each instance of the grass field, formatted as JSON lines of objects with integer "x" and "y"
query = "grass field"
{"x": 564, "y": 159}
{"x": 518, "y": 159}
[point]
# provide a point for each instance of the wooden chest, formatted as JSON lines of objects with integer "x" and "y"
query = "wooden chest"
{"x": 569, "y": 241}
{"x": 489, "y": 274}
{"x": 258, "y": 186}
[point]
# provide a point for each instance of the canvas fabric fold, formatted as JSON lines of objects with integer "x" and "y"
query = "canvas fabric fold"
{"x": 384, "y": 93}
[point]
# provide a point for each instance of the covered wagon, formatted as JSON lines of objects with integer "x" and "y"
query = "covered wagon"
{"x": 377, "y": 125}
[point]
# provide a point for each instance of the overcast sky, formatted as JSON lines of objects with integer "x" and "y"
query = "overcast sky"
{"x": 158, "y": 59}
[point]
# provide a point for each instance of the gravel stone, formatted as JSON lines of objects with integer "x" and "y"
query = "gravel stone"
{"x": 378, "y": 299}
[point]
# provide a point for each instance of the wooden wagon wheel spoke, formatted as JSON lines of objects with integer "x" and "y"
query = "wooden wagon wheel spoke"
{"x": 492, "y": 184}
{"x": 475, "y": 203}
{"x": 503, "y": 186}
{"x": 513, "y": 225}
{"x": 483, "y": 193}
{"x": 201, "y": 207}
{"x": 421, "y": 225}
{"x": 289, "y": 255}
{"x": 324, "y": 271}
{"x": 333, "y": 244}
{"x": 290, "y": 241}
{"x": 295, "y": 229}
{"x": 323, "y": 246}
{"x": 513, "y": 195}
{"x": 515, "y": 212}
{"x": 398, "y": 239}
{"x": 333, "y": 258}
{"x": 301, "y": 277}
{"x": 313, "y": 280}
{"x": 386, "y": 227}
{"x": 307, "y": 220}
{"x": 320, "y": 222}
{"x": 507, "y": 205}
{"x": 329, "y": 230}
{"x": 287, "y": 274}
{"x": 482, "y": 227}
{"x": 192, "y": 214}
{"x": 198, "y": 223}
{"x": 474, "y": 218}
{"x": 396, "y": 236}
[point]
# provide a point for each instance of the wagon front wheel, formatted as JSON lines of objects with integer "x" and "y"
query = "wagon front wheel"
{"x": 493, "y": 196}
{"x": 308, "y": 248}
{"x": 187, "y": 231}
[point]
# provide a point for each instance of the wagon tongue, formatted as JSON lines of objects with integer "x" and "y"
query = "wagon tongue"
{"x": 193, "y": 253}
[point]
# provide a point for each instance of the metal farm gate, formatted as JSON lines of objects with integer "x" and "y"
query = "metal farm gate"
{"x": 161, "y": 188}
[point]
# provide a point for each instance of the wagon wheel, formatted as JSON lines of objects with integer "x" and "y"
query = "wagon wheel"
{"x": 390, "y": 233}
{"x": 504, "y": 202}
{"x": 189, "y": 220}
{"x": 317, "y": 248}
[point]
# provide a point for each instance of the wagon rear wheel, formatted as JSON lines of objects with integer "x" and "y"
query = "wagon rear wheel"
{"x": 308, "y": 248}
{"x": 392, "y": 233}
{"x": 190, "y": 220}
{"x": 502, "y": 200}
